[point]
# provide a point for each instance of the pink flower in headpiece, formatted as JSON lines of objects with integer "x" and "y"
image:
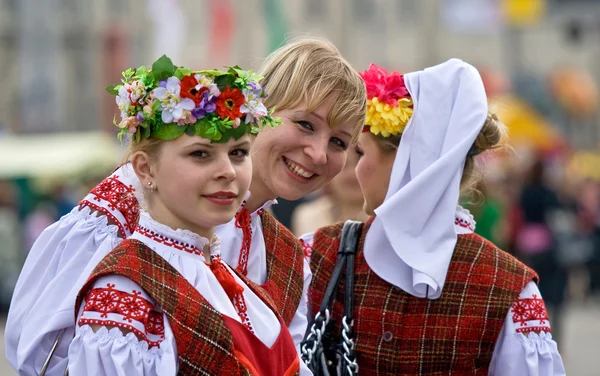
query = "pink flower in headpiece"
{"x": 387, "y": 88}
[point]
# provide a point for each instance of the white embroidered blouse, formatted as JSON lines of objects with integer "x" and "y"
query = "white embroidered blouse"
{"x": 66, "y": 253}
{"x": 149, "y": 347}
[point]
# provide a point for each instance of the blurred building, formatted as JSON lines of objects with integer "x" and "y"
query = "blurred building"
{"x": 56, "y": 56}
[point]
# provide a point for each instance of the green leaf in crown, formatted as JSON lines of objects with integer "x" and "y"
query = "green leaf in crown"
{"x": 167, "y": 101}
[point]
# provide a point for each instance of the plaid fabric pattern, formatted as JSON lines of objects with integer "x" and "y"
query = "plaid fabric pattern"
{"x": 204, "y": 342}
{"x": 398, "y": 334}
{"x": 285, "y": 267}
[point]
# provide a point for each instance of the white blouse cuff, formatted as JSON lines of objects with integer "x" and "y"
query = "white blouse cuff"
{"x": 110, "y": 352}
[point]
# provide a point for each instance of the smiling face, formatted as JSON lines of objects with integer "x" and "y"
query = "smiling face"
{"x": 197, "y": 184}
{"x": 301, "y": 155}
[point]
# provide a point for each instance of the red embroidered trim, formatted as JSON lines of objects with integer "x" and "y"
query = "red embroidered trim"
{"x": 130, "y": 306}
{"x": 119, "y": 197}
{"x": 307, "y": 249}
{"x": 138, "y": 333}
{"x": 529, "y": 309}
{"x": 108, "y": 300}
{"x": 110, "y": 215}
{"x": 536, "y": 329}
{"x": 243, "y": 221}
{"x": 156, "y": 324}
{"x": 464, "y": 223}
{"x": 168, "y": 241}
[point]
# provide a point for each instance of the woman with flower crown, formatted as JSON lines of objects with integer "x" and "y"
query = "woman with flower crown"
{"x": 321, "y": 102}
{"x": 163, "y": 302}
{"x": 430, "y": 296}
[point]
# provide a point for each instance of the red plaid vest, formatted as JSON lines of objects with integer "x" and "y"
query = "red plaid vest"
{"x": 285, "y": 267}
{"x": 204, "y": 342}
{"x": 399, "y": 334}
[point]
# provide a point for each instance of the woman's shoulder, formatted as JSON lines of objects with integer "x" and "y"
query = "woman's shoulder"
{"x": 330, "y": 231}
{"x": 480, "y": 251}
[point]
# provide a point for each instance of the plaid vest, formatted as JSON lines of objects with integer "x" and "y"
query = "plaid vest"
{"x": 399, "y": 334}
{"x": 285, "y": 267}
{"x": 204, "y": 342}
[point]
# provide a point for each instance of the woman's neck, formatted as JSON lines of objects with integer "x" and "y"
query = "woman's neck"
{"x": 259, "y": 194}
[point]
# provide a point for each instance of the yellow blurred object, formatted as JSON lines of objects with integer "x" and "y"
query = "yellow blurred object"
{"x": 523, "y": 12}
{"x": 525, "y": 125}
{"x": 54, "y": 154}
{"x": 585, "y": 165}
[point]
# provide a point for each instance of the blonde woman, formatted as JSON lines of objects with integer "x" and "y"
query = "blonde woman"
{"x": 321, "y": 102}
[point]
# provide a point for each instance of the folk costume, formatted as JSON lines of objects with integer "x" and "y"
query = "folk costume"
{"x": 69, "y": 251}
{"x": 430, "y": 296}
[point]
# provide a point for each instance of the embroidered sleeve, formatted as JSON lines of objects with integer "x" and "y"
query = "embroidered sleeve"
{"x": 116, "y": 301}
{"x": 528, "y": 313}
{"x": 525, "y": 345}
{"x": 307, "y": 243}
{"x": 116, "y": 198}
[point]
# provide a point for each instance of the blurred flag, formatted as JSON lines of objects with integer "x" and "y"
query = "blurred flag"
{"x": 222, "y": 30}
{"x": 474, "y": 16}
{"x": 276, "y": 23}
{"x": 169, "y": 28}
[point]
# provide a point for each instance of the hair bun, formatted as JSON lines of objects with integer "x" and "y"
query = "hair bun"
{"x": 493, "y": 134}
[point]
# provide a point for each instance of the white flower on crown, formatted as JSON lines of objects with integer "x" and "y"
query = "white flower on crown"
{"x": 172, "y": 105}
{"x": 130, "y": 93}
{"x": 137, "y": 91}
{"x": 207, "y": 82}
{"x": 253, "y": 105}
{"x": 123, "y": 101}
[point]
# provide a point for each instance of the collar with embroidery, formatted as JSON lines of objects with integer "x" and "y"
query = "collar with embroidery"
{"x": 177, "y": 239}
{"x": 464, "y": 223}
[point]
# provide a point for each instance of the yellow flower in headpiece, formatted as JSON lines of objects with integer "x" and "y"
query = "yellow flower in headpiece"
{"x": 387, "y": 119}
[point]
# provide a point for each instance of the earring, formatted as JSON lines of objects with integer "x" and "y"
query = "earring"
{"x": 150, "y": 187}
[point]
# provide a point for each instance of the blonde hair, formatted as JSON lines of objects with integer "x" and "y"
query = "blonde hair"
{"x": 150, "y": 146}
{"x": 493, "y": 135}
{"x": 309, "y": 71}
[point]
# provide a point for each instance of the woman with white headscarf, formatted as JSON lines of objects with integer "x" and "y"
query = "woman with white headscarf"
{"x": 430, "y": 296}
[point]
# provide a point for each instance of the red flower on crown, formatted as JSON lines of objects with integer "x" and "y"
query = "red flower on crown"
{"x": 188, "y": 89}
{"x": 387, "y": 88}
{"x": 229, "y": 103}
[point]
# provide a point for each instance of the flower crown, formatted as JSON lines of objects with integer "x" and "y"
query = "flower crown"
{"x": 167, "y": 101}
{"x": 389, "y": 105}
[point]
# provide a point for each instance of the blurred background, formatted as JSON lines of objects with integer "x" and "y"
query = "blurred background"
{"x": 540, "y": 61}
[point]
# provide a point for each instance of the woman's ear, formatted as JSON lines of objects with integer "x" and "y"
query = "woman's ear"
{"x": 143, "y": 168}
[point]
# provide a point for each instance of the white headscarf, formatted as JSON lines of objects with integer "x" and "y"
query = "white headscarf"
{"x": 412, "y": 239}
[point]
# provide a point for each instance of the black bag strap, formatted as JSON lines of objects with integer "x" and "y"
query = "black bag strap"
{"x": 348, "y": 244}
{"x": 345, "y": 258}
{"x": 348, "y": 247}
